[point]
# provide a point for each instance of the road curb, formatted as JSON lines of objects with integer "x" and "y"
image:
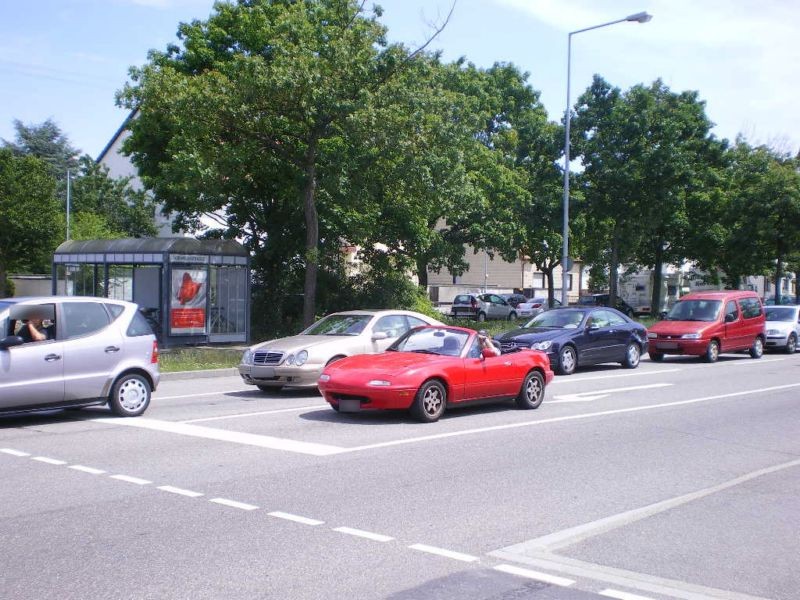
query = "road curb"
{"x": 202, "y": 374}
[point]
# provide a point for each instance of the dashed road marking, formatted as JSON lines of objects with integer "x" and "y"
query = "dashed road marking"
{"x": 84, "y": 469}
{"x": 600, "y": 394}
{"x": 609, "y": 593}
{"x": 537, "y": 575}
{"x": 255, "y": 414}
{"x": 444, "y": 552}
{"x": 130, "y": 479}
{"x": 296, "y": 518}
{"x": 13, "y": 452}
{"x": 49, "y": 461}
{"x": 179, "y": 491}
{"x": 364, "y": 534}
{"x": 234, "y": 504}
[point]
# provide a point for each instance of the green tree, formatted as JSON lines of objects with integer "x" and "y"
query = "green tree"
{"x": 247, "y": 116}
{"x": 32, "y": 223}
{"x": 47, "y": 142}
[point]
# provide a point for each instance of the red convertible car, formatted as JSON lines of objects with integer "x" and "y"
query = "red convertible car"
{"x": 431, "y": 368}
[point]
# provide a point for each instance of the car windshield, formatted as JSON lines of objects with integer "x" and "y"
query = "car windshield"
{"x": 462, "y": 299}
{"x": 429, "y": 340}
{"x": 558, "y": 319}
{"x": 694, "y": 310}
{"x": 780, "y": 313}
{"x": 339, "y": 325}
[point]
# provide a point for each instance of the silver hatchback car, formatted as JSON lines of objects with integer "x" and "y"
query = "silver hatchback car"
{"x": 67, "y": 351}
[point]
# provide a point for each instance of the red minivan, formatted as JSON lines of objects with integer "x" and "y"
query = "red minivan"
{"x": 707, "y": 323}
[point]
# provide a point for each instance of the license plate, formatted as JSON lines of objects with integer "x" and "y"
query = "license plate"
{"x": 667, "y": 345}
{"x": 349, "y": 405}
{"x": 265, "y": 372}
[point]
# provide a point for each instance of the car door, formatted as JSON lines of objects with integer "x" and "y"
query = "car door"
{"x": 620, "y": 336}
{"x": 92, "y": 348}
{"x": 596, "y": 345}
{"x": 733, "y": 326}
{"x": 753, "y": 321}
{"x": 499, "y": 309}
{"x": 33, "y": 373}
{"x": 486, "y": 377}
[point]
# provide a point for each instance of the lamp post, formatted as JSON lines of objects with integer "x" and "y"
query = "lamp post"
{"x": 641, "y": 17}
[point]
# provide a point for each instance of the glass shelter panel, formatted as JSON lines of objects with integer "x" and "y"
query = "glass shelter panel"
{"x": 227, "y": 302}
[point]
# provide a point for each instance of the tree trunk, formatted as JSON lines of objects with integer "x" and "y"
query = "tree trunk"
{"x": 612, "y": 270}
{"x": 2, "y": 283}
{"x": 551, "y": 292}
{"x": 655, "y": 304}
{"x": 312, "y": 235}
{"x": 422, "y": 273}
{"x": 778, "y": 277}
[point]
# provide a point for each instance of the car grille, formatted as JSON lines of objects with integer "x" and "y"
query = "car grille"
{"x": 267, "y": 358}
{"x": 512, "y": 345}
{"x": 340, "y": 397}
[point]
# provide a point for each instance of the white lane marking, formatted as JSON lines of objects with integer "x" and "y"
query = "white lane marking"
{"x": 567, "y": 537}
{"x": 637, "y": 373}
{"x": 444, "y": 552}
{"x": 179, "y": 491}
{"x": 130, "y": 479}
{"x": 609, "y": 593}
{"x": 254, "y": 414}
{"x": 13, "y": 452}
{"x": 222, "y": 435}
{"x": 49, "y": 461}
{"x": 364, "y": 534}
{"x": 234, "y": 504}
{"x": 296, "y": 518}
{"x": 602, "y": 413}
{"x": 90, "y": 470}
{"x": 221, "y": 392}
{"x": 598, "y": 394}
{"x": 537, "y": 575}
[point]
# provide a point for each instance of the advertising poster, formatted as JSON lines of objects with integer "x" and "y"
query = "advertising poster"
{"x": 188, "y": 300}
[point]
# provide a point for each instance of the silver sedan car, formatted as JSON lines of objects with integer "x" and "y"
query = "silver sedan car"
{"x": 298, "y": 360}
{"x": 67, "y": 351}
{"x": 782, "y": 327}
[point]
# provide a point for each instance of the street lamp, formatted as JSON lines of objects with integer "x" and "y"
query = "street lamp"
{"x": 641, "y": 17}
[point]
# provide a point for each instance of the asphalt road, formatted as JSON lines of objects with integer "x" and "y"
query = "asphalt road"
{"x": 675, "y": 480}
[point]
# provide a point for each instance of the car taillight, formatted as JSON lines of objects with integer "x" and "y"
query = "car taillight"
{"x": 154, "y": 353}
{"x": 537, "y": 305}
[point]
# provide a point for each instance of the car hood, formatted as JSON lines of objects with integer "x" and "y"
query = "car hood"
{"x": 782, "y": 326}
{"x": 533, "y": 334}
{"x": 680, "y": 327}
{"x": 299, "y": 342}
{"x": 386, "y": 364}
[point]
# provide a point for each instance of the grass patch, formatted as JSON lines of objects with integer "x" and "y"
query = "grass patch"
{"x": 196, "y": 359}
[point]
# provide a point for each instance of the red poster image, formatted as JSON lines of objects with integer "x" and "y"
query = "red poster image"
{"x": 188, "y": 301}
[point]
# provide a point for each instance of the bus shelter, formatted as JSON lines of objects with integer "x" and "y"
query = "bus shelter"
{"x": 192, "y": 291}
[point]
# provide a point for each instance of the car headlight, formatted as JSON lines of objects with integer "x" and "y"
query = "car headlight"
{"x": 301, "y": 358}
{"x": 542, "y": 345}
{"x": 324, "y": 377}
{"x": 247, "y": 357}
{"x": 289, "y": 360}
{"x": 379, "y": 383}
{"x": 651, "y": 336}
{"x": 773, "y": 332}
{"x": 690, "y": 336}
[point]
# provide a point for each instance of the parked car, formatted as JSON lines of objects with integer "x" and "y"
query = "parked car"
{"x": 782, "y": 327}
{"x": 96, "y": 351}
{"x": 707, "y": 323}
{"x": 433, "y": 368}
{"x": 513, "y": 299}
{"x": 298, "y": 360}
{"x": 787, "y": 299}
{"x": 605, "y": 300}
{"x": 534, "y": 306}
{"x": 481, "y": 307}
{"x": 575, "y": 337}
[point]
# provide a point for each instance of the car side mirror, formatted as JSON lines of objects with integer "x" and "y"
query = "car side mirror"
{"x": 592, "y": 327}
{"x": 11, "y": 340}
{"x": 379, "y": 335}
{"x": 730, "y": 318}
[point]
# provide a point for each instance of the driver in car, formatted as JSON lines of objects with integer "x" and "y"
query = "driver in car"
{"x": 486, "y": 343}
{"x": 33, "y": 330}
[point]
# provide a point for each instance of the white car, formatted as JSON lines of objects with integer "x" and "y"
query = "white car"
{"x": 534, "y": 306}
{"x": 299, "y": 360}
{"x": 782, "y": 327}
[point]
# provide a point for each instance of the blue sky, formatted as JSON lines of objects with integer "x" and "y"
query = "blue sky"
{"x": 65, "y": 59}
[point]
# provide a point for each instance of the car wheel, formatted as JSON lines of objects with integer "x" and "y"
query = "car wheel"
{"x": 712, "y": 352}
{"x": 130, "y": 396}
{"x": 757, "y": 349}
{"x": 633, "y": 355}
{"x": 656, "y": 356}
{"x": 532, "y": 392}
{"x": 791, "y": 344}
{"x": 512, "y": 316}
{"x": 270, "y": 388}
{"x": 567, "y": 360}
{"x": 481, "y": 317}
{"x": 430, "y": 401}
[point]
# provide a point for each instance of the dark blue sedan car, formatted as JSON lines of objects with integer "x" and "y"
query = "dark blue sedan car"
{"x": 576, "y": 337}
